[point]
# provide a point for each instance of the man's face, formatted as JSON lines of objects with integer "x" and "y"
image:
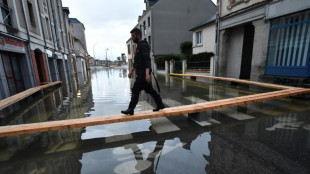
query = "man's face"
{"x": 135, "y": 37}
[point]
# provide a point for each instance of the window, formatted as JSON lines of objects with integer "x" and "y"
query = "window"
{"x": 150, "y": 42}
{"x": 199, "y": 38}
{"x": 288, "y": 47}
{"x": 13, "y": 73}
{"x": 144, "y": 28}
{"x": 45, "y": 6}
{"x": 59, "y": 15}
{"x": 48, "y": 28}
{"x": 129, "y": 50}
{"x": 6, "y": 13}
{"x": 31, "y": 14}
{"x": 148, "y": 21}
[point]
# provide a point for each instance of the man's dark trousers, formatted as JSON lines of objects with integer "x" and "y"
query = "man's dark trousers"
{"x": 140, "y": 85}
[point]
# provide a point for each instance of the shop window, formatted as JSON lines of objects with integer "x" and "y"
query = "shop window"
{"x": 13, "y": 73}
{"x": 288, "y": 47}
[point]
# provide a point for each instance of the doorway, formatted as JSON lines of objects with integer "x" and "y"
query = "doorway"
{"x": 247, "y": 52}
{"x": 39, "y": 62}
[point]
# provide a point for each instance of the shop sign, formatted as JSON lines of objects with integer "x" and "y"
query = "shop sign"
{"x": 49, "y": 53}
{"x": 7, "y": 44}
{"x": 59, "y": 55}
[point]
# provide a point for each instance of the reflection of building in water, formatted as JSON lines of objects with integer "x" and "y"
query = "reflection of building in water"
{"x": 262, "y": 146}
{"x": 227, "y": 156}
{"x": 16, "y": 150}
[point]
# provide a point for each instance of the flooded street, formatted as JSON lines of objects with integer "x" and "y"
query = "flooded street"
{"x": 266, "y": 137}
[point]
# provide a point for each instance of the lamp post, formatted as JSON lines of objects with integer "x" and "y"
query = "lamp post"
{"x": 106, "y": 56}
{"x": 94, "y": 49}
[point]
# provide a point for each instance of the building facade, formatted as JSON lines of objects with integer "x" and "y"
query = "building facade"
{"x": 261, "y": 43}
{"x": 165, "y": 24}
{"x": 34, "y": 45}
{"x": 80, "y": 51}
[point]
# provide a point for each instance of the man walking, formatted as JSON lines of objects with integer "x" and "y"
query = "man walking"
{"x": 142, "y": 66}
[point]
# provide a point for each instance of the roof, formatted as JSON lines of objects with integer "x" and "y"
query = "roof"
{"x": 74, "y": 20}
{"x": 207, "y": 21}
{"x": 66, "y": 9}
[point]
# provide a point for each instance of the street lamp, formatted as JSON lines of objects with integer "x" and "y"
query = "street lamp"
{"x": 94, "y": 49}
{"x": 106, "y": 56}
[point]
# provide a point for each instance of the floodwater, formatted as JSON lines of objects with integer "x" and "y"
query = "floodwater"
{"x": 266, "y": 137}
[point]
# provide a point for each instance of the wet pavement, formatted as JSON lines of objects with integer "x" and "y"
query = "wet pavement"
{"x": 266, "y": 137}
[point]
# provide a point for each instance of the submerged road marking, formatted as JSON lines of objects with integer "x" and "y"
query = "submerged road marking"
{"x": 162, "y": 124}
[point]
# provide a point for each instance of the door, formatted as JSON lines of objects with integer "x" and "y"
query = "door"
{"x": 13, "y": 73}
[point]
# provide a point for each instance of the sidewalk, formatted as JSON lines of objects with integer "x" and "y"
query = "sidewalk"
{"x": 203, "y": 73}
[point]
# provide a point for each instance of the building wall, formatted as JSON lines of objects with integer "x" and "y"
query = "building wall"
{"x": 148, "y": 29}
{"x": 78, "y": 32}
{"x": 47, "y": 40}
{"x": 260, "y": 48}
{"x": 259, "y": 14}
{"x": 234, "y": 52}
{"x": 228, "y": 6}
{"x": 208, "y": 39}
{"x": 170, "y": 27}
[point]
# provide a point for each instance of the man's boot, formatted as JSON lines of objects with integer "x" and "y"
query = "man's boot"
{"x": 158, "y": 102}
{"x": 130, "y": 110}
{"x": 159, "y": 107}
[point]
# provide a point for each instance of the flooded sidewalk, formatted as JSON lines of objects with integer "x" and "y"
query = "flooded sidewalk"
{"x": 265, "y": 137}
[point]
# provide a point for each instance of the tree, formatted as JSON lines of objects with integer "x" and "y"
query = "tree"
{"x": 186, "y": 48}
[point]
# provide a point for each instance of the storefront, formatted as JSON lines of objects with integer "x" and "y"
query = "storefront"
{"x": 288, "y": 49}
{"x": 15, "y": 72}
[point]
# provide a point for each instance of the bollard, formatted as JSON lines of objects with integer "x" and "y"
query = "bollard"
{"x": 166, "y": 67}
{"x": 172, "y": 66}
{"x": 184, "y": 66}
{"x": 212, "y": 66}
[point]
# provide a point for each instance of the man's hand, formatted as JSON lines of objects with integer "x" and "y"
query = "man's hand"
{"x": 148, "y": 78}
{"x": 130, "y": 72}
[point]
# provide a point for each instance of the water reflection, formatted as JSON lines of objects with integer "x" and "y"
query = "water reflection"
{"x": 275, "y": 139}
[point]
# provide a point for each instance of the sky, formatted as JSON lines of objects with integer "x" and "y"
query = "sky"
{"x": 107, "y": 24}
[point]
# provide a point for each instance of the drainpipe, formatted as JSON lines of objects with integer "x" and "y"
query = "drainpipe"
{"x": 68, "y": 47}
{"x": 41, "y": 24}
{"x": 215, "y": 64}
{"x": 49, "y": 15}
{"x": 28, "y": 42}
{"x": 55, "y": 24}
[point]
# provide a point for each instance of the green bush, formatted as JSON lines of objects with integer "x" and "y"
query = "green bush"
{"x": 205, "y": 56}
{"x": 186, "y": 48}
{"x": 200, "y": 61}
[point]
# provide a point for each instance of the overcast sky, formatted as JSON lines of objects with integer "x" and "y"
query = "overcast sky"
{"x": 107, "y": 23}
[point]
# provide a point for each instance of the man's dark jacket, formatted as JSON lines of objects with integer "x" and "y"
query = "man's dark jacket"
{"x": 142, "y": 59}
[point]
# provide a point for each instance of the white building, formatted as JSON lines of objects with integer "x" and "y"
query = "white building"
{"x": 204, "y": 36}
